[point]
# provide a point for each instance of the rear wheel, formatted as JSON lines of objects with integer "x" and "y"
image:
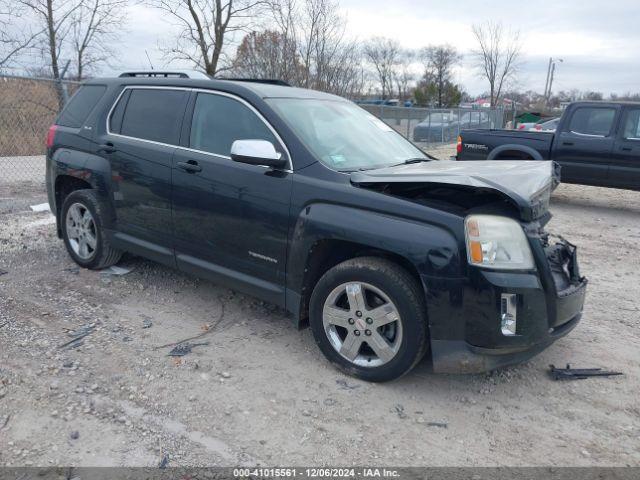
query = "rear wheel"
{"x": 368, "y": 318}
{"x": 82, "y": 219}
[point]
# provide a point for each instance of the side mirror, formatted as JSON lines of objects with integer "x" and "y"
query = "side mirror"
{"x": 257, "y": 152}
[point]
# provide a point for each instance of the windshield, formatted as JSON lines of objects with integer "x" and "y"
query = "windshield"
{"x": 343, "y": 136}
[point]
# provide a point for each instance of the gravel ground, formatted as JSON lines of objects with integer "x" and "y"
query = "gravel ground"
{"x": 260, "y": 392}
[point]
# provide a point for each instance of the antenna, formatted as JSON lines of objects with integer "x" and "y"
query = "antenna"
{"x": 147, "y": 54}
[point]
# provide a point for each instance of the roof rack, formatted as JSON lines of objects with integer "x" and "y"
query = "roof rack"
{"x": 165, "y": 74}
{"x": 270, "y": 81}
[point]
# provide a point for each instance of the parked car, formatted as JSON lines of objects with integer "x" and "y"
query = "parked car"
{"x": 596, "y": 143}
{"x": 546, "y": 126}
{"x": 445, "y": 126}
{"x": 305, "y": 200}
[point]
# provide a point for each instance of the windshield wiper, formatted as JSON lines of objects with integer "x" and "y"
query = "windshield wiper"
{"x": 409, "y": 161}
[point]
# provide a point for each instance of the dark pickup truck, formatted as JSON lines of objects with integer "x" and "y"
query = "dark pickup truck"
{"x": 596, "y": 143}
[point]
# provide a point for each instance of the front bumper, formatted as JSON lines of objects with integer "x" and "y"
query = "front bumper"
{"x": 465, "y": 317}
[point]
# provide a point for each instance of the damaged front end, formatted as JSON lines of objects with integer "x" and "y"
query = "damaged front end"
{"x": 522, "y": 186}
{"x": 504, "y": 308}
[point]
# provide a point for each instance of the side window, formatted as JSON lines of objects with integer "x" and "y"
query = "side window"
{"x": 592, "y": 121}
{"x": 632, "y": 125}
{"x": 154, "y": 114}
{"x": 115, "y": 121}
{"x": 80, "y": 105}
{"x": 218, "y": 121}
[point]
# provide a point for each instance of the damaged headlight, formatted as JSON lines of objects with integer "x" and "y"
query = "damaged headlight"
{"x": 497, "y": 243}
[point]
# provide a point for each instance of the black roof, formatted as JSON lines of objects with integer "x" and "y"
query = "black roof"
{"x": 259, "y": 88}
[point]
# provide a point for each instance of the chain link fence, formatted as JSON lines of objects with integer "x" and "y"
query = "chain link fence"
{"x": 433, "y": 128}
{"x": 28, "y": 107}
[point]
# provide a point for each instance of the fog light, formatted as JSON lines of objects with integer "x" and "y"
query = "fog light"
{"x": 508, "y": 313}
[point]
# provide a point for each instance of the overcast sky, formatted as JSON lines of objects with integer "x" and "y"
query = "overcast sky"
{"x": 597, "y": 40}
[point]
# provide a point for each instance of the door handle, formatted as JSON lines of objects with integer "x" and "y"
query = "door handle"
{"x": 567, "y": 144}
{"x": 191, "y": 166}
{"x": 626, "y": 149}
{"x": 107, "y": 148}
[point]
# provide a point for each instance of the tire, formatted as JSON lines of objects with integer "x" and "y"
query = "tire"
{"x": 98, "y": 254}
{"x": 392, "y": 318}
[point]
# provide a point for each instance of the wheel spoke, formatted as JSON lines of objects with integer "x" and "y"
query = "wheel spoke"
{"x": 380, "y": 346}
{"x": 75, "y": 215}
{"x": 351, "y": 346}
{"x": 84, "y": 250}
{"x": 337, "y": 316}
{"x": 356, "y": 297}
{"x": 383, "y": 315}
{"x": 91, "y": 240}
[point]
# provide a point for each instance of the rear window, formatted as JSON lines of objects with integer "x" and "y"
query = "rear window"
{"x": 154, "y": 114}
{"x": 592, "y": 121}
{"x": 80, "y": 105}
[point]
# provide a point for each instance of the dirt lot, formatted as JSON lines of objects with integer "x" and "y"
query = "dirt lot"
{"x": 261, "y": 392}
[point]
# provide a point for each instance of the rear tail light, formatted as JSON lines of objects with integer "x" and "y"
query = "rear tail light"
{"x": 459, "y": 145}
{"x": 51, "y": 135}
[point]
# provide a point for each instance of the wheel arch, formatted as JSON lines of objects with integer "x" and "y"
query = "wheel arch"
{"x": 520, "y": 152}
{"x": 327, "y": 253}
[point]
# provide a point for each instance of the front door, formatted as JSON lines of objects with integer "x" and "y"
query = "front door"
{"x": 230, "y": 219}
{"x": 583, "y": 148}
{"x": 625, "y": 165}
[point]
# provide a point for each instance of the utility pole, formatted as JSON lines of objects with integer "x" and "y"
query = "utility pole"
{"x": 550, "y": 74}
{"x": 546, "y": 84}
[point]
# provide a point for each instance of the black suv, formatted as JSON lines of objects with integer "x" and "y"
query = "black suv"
{"x": 307, "y": 201}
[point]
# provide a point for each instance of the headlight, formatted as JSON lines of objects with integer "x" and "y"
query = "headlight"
{"x": 497, "y": 242}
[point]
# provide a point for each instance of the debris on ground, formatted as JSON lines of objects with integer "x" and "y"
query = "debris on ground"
{"x": 184, "y": 349}
{"x": 437, "y": 424}
{"x": 3, "y": 272}
{"x": 399, "y": 409}
{"x": 346, "y": 385}
{"x": 77, "y": 336}
{"x": 164, "y": 461}
{"x": 5, "y": 422}
{"x": 569, "y": 373}
{"x": 74, "y": 435}
{"x": 41, "y": 207}
{"x": 146, "y": 323}
{"x": 116, "y": 270}
{"x": 207, "y": 328}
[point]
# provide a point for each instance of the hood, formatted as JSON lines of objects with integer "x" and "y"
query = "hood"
{"x": 527, "y": 184}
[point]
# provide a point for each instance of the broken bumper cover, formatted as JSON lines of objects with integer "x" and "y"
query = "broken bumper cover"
{"x": 454, "y": 356}
{"x": 477, "y": 345}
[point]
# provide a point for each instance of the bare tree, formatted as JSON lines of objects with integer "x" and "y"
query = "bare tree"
{"x": 305, "y": 46}
{"x": 439, "y": 61}
{"x": 207, "y": 26}
{"x": 55, "y": 18}
{"x": 497, "y": 56}
{"x": 383, "y": 54}
{"x": 95, "y": 27}
{"x": 403, "y": 76}
{"x": 267, "y": 54}
{"x": 14, "y": 39}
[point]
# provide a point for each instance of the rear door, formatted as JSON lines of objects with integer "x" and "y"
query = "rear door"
{"x": 143, "y": 131}
{"x": 583, "y": 148}
{"x": 625, "y": 165}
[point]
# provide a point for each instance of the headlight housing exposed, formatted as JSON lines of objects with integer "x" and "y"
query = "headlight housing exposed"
{"x": 497, "y": 243}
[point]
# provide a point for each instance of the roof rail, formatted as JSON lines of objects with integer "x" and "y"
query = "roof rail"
{"x": 165, "y": 74}
{"x": 270, "y": 81}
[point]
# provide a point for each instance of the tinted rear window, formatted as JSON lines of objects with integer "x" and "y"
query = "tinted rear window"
{"x": 593, "y": 121}
{"x": 154, "y": 114}
{"x": 80, "y": 105}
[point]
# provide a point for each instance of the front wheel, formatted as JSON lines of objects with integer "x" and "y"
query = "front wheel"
{"x": 368, "y": 318}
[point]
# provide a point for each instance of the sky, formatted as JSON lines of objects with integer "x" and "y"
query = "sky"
{"x": 598, "y": 42}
